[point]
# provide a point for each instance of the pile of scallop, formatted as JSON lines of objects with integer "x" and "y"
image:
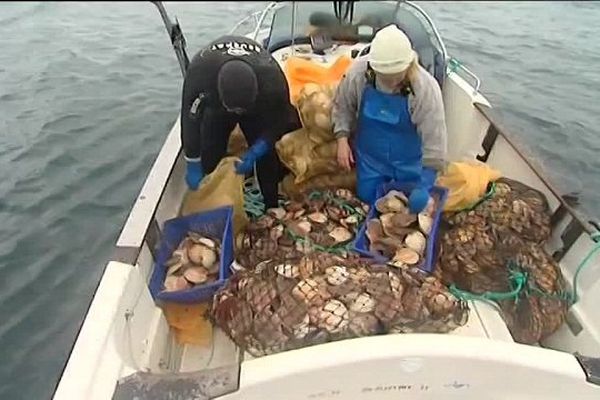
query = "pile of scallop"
{"x": 397, "y": 234}
{"x": 194, "y": 262}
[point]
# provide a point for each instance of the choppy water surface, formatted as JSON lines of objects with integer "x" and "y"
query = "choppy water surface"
{"x": 88, "y": 92}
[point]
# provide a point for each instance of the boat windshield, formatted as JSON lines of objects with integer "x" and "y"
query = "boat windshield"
{"x": 367, "y": 18}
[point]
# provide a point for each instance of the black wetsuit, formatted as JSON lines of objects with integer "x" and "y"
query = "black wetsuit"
{"x": 205, "y": 128}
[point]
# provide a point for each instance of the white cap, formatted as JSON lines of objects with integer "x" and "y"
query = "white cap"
{"x": 391, "y": 51}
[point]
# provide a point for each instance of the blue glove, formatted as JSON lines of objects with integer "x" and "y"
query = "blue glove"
{"x": 193, "y": 174}
{"x": 417, "y": 201}
{"x": 255, "y": 152}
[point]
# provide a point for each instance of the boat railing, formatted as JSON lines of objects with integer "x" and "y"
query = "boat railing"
{"x": 258, "y": 17}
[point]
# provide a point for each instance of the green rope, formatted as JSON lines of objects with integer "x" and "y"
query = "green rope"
{"x": 518, "y": 281}
{"x": 490, "y": 193}
{"x": 596, "y": 238}
{"x": 522, "y": 285}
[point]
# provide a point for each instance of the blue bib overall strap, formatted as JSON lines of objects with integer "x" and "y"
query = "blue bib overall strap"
{"x": 388, "y": 146}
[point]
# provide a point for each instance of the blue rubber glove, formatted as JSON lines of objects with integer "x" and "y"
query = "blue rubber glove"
{"x": 254, "y": 153}
{"x": 417, "y": 201}
{"x": 193, "y": 174}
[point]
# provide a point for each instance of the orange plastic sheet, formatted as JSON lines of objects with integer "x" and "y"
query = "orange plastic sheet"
{"x": 189, "y": 323}
{"x": 300, "y": 71}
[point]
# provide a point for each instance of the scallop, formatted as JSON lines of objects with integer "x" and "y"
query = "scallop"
{"x": 277, "y": 213}
{"x": 196, "y": 275}
{"x": 308, "y": 290}
{"x": 175, "y": 267}
{"x": 416, "y": 241}
{"x": 202, "y": 255}
{"x": 176, "y": 283}
{"x": 336, "y": 275}
{"x": 374, "y": 230}
{"x": 211, "y": 244}
{"x": 406, "y": 256}
{"x": 287, "y": 270}
{"x": 363, "y": 303}
{"x": 333, "y": 317}
{"x": 300, "y": 228}
{"x": 394, "y": 201}
{"x": 318, "y": 217}
{"x": 341, "y": 235}
{"x": 344, "y": 194}
{"x": 302, "y": 329}
{"x": 425, "y": 223}
{"x": 276, "y": 232}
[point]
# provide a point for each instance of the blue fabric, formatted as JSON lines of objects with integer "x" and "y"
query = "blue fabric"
{"x": 254, "y": 153}
{"x": 193, "y": 174}
{"x": 388, "y": 146}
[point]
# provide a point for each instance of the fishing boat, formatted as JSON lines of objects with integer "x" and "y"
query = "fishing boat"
{"x": 125, "y": 350}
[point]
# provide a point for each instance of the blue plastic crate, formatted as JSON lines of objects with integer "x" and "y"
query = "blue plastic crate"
{"x": 216, "y": 223}
{"x": 361, "y": 243}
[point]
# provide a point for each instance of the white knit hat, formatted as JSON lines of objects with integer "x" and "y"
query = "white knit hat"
{"x": 391, "y": 51}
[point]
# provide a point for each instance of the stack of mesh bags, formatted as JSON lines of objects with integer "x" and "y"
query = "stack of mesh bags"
{"x": 310, "y": 153}
{"x": 487, "y": 249}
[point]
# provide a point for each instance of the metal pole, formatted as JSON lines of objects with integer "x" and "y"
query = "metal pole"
{"x": 293, "y": 26}
{"x": 176, "y": 36}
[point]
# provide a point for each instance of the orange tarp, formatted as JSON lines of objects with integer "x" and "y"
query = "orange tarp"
{"x": 300, "y": 71}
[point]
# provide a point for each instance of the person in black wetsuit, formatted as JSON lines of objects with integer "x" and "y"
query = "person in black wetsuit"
{"x": 235, "y": 80}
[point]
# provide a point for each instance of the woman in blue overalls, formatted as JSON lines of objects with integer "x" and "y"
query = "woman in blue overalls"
{"x": 395, "y": 108}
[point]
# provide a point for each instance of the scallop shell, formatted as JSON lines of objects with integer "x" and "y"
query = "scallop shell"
{"x": 333, "y": 317}
{"x": 344, "y": 194}
{"x": 406, "y": 256}
{"x": 391, "y": 220}
{"x": 336, "y": 275}
{"x": 425, "y": 223}
{"x": 276, "y": 232}
{"x": 416, "y": 241}
{"x": 205, "y": 242}
{"x": 287, "y": 270}
{"x": 176, "y": 283}
{"x": 430, "y": 207}
{"x": 363, "y": 303}
{"x": 341, "y": 235}
{"x": 175, "y": 267}
{"x": 202, "y": 255}
{"x": 318, "y": 217}
{"x": 277, "y": 213}
{"x": 374, "y": 230}
{"x": 349, "y": 221}
{"x": 260, "y": 267}
{"x": 300, "y": 228}
{"x": 391, "y": 202}
{"x": 309, "y": 291}
{"x": 196, "y": 275}
{"x": 302, "y": 329}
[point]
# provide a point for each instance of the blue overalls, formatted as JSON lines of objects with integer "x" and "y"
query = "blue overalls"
{"x": 387, "y": 146}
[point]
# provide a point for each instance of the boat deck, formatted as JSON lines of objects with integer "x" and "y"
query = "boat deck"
{"x": 484, "y": 322}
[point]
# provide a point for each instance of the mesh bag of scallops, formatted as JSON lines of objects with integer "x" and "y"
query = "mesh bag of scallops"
{"x": 494, "y": 251}
{"x": 311, "y": 151}
{"x": 298, "y": 282}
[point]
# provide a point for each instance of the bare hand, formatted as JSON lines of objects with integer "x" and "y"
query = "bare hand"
{"x": 344, "y": 154}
